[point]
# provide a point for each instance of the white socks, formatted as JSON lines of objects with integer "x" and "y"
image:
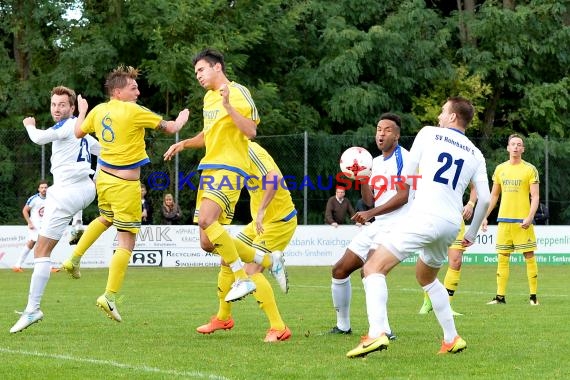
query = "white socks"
{"x": 341, "y": 294}
{"x": 376, "y": 301}
{"x": 38, "y": 282}
{"x": 259, "y": 255}
{"x": 442, "y": 309}
{"x": 23, "y": 255}
{"x": 236, "y": 265}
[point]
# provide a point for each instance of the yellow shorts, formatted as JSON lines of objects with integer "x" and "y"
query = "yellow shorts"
{"x": 457, "y": 243}
{"x": 119, "y": 201}
{"x": 511, "y": 237}
{"x": 276, "y": 235}
{"x": 224, "y": 188}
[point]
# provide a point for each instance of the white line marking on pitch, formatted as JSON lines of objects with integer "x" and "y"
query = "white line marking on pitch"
{"x": 143, "y": 368}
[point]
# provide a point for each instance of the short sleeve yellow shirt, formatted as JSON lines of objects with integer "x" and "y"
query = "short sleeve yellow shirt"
{"x": 515, "y": 181}
{"x": 226, "y": 145}
{"x": 282, "y": 204}
{"x": 120, "y": 128}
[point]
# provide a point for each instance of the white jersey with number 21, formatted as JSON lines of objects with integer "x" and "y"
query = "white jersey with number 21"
{"x": 446, "y": 161}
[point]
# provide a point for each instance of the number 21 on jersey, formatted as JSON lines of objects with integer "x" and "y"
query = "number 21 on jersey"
{"x": 450, "y": 169}
{"x": 84, "y": 154}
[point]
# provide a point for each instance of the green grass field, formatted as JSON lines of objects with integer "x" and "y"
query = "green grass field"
{"x": 162, "y": 307}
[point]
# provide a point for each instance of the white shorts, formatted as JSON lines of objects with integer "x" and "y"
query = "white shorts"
{"x": 62, "y": 202}
{"x": 33, "y": 234}
{"x": 367, "y": 239}
{"x": 428, "y": 235}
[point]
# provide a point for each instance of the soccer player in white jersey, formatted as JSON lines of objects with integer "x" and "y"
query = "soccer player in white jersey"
{"x": 33, "y": 212}
{"x": 390, "y": 201}
{"x": 72, "y": 190}
{"x": 447, "y": 161}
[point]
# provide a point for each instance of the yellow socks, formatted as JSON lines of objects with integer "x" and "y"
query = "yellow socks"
{"x": 266, "y": 300}
{"x": 502, "y": 274}
{"x": 225, "y": 281}
{"x": 117, "y": 271}
{"x": 226, "y": 248}
{"x": 246, "y": 252}
{"x": 92, "y": 233}
{"x": 451, "y": 281}
{"x": 532, "y": 274}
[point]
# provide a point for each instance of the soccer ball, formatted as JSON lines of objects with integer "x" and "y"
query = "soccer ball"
{"x": 356, "y": 162}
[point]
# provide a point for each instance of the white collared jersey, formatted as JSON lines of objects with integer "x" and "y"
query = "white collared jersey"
{"x": 447, "y": 161}
{"x": 36, "y": 204}
{"x": 383, "y": 182}
{"x": 70, "y": 156}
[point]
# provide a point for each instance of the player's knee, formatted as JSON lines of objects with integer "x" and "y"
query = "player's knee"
{"x": 105, "y": 222}
{"x": 339, "y": 273}
{"x": 335, "y": 272}
{"x": 455, "y": 264}
{"x": 368, "y": 268}
{"x": 528, "y": 255}
{"x": 422, "y": 279}
{"x": 207, "y": 246}
{"x": 252, "y": 268}
{"x": 203, "y": 223}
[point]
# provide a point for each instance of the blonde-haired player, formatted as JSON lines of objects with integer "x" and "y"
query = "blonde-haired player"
{"x": 120, "y": 128}
{"x": 515, "y": 181}
{"x": 85, "y": 238}
{"x": 273, "y": 225}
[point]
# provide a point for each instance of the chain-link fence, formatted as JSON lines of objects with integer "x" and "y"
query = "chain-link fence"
{"x": 308, "y": 161}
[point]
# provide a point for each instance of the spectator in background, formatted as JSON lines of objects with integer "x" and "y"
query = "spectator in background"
{"x": 338, "y": 208}
{"x": 146, "y": 206}
{"x": 170, "y": 211}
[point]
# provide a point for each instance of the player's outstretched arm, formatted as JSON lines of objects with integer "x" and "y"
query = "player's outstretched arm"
{"x": 82, "y": 107}
{"x": 175, "y": 125}
{"x": 39, "y": 136}
{"x": 193, "y": 143}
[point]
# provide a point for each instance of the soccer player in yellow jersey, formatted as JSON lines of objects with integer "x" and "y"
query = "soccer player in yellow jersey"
{"x": 230, "y": 120}
{"x": 514, "y": 181}
{"x": 273, "y": 225}
{"x": 99, "y": 225}
{"x": 120, "y": 128}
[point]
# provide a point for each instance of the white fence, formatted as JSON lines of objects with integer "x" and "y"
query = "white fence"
{"x": 316, "y": 245}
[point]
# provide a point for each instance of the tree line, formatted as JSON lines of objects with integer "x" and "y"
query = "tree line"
{"x": 312, "y": 65}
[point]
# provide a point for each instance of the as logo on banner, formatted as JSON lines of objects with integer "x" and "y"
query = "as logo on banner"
{"x": 146, "y": 258}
